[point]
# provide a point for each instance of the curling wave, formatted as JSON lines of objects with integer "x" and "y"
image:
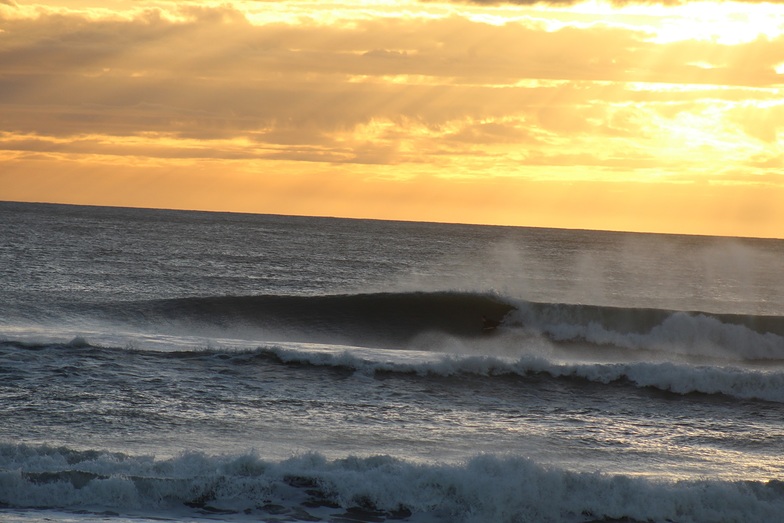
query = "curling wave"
{"x": 378, "y": 319}
{"x": 391, "y": 320}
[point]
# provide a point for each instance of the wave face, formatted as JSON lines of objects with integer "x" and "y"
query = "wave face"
{"x": 396, "y": 320}
{"x": 312, "y": 488}
{"x": 378, "y": 319}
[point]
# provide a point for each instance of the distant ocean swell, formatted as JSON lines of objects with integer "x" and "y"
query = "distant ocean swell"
{"x": 311, "y": 488}
{"x": 393, "y": 320}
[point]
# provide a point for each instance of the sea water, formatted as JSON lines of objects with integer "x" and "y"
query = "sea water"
{"x": 192, "y": 366}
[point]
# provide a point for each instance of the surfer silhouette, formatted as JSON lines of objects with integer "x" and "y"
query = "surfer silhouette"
{"x": 489, "y": 324}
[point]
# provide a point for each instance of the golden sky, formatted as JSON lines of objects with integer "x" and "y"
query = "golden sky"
{"x": 652, "y": 116}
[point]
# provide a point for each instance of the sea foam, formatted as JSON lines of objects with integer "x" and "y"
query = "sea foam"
{"x": 677, "y": 377}
{"x": 485, "y": 488}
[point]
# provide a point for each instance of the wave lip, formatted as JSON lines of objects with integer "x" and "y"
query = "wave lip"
{"x": 486, "y": 488}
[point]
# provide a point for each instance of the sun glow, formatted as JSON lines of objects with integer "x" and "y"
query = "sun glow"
{"x": 584, "y": 115}
{"x": 726, "y": 23}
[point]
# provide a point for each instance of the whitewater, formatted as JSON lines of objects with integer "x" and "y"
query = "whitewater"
{"x": 188, "y": 366}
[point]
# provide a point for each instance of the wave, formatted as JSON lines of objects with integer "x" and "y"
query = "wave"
{"x": 679, "y": 378}
{"x": 398, "y": 320}
{"x": 742, "y": 337}
{"x": 738, "y": 381}
{"x": 763, "y": 382}
{"x": 310, "y": 487}
{"x": 377, "y": 319}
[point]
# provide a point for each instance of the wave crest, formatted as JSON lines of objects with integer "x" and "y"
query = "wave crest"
{"x": 678, "y": 378}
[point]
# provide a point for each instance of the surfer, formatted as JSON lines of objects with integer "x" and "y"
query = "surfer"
{"x": 489, "y": 324}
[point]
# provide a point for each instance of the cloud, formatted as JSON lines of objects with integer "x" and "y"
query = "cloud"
{"x": 573, "y": 2}
{"x": 459, "y": 95}
{"x": 453, "y": 48}
{"x": 331, "y": 77}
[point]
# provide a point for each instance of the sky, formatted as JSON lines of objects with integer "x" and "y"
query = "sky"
{"x": 656, "y": 116}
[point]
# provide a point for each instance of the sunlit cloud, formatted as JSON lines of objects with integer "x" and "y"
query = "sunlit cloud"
{"x": 425, "y": 94}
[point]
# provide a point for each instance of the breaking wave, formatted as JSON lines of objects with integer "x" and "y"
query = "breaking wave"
{"x": 393, "y": 320}
{"x": 377, "y": 488}
{"x": 738, "y": 381}
{"x": 679, "y": 378}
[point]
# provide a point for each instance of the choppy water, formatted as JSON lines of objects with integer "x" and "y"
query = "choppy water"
{"x": 186, "y": 366}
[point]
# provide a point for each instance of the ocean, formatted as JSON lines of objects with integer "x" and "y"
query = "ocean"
{"x": 189, "y": 366}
